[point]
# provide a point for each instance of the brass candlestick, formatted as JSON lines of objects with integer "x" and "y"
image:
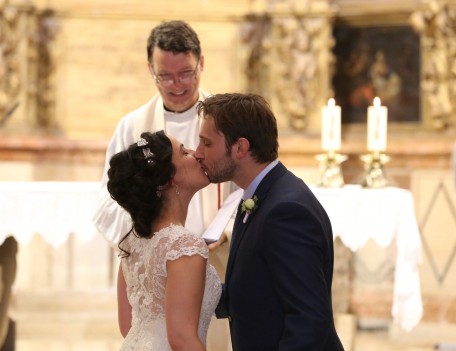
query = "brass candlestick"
{"x": 375, "y": 176}
{"x": 330, "y": 172}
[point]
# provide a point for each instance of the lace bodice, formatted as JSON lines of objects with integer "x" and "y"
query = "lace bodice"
{"x": 145, "y": 274}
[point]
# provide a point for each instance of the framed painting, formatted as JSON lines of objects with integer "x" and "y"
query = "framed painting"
{"x": 377, "y": 61}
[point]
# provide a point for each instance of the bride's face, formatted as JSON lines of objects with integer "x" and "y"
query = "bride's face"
{"x": 189, "y": 172}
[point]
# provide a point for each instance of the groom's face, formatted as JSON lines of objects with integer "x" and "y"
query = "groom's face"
{"x": 213, "y": 155}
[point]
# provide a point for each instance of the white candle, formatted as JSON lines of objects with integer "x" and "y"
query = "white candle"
{"x": 330, "y": 132}
{"x": 377, "y": 118}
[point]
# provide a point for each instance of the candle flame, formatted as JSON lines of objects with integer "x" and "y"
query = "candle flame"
{"x": 377, "y": 102}
{"x": 331, "y": 102}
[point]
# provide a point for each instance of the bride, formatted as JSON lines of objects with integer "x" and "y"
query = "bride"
{"x": 166, "y": 291}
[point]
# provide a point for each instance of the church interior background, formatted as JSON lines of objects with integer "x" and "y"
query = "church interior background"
{"x": 70, "y": 69}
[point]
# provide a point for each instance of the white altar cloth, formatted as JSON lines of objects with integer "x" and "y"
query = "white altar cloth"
{"x": 358, "y": 214}
{"x": 53, "y": 210}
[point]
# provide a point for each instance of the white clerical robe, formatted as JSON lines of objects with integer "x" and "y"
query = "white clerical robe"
{"x": 113, "y": 221}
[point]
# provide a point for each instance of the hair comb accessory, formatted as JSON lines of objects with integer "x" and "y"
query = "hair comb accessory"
{"x": 148, "y": 155}
{"x": 146, "y": 151}
{"x": 142, "y": 142}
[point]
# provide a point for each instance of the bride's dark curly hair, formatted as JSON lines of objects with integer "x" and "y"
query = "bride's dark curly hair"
{"x": 136, "y": 177}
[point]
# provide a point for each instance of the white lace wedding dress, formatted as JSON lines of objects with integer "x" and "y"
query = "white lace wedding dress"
{"x": 145, "y": 274}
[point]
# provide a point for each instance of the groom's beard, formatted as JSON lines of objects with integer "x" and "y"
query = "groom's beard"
{"x": 221, "y": 171}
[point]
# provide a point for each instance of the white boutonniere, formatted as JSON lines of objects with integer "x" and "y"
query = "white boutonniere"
{"x": 249, "y": 206}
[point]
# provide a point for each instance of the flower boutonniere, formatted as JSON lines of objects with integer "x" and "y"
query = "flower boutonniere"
{"x": 249, "y": 206}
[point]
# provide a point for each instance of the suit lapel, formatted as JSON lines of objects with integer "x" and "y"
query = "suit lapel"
{"x": 239, "y": 228}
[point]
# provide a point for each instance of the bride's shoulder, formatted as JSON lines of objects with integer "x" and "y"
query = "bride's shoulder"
{"x": 180, "y": 237}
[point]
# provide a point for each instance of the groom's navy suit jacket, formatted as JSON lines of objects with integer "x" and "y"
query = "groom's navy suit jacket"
{"x": 277, "y": 292}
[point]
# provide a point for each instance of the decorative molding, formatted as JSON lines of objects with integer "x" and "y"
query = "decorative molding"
{"x": 443, "y": 195}
{"x": 45, "y": 148}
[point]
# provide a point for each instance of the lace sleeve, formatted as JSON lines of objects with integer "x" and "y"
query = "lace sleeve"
{"x": 187, "y": 244}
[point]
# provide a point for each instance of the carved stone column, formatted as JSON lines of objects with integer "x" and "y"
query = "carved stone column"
{"x": 26, "y": 94}
{"x": 289, "y": 59}
{"x": 11, "y": 83}
{"x": 436, "y": 23}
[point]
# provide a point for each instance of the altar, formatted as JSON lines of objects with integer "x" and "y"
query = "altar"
{"x": 56, "y": 210}
{"x": 387, "y": 217}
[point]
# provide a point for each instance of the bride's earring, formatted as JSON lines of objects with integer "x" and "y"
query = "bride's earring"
{"x": 177, "y": 190}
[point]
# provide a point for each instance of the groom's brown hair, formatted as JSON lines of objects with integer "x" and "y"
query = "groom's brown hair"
{"x": 246, "y": 116}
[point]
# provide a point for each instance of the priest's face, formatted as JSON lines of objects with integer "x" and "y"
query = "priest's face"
{"x": 213, "y": 155}
{"x": 177, "y": 78}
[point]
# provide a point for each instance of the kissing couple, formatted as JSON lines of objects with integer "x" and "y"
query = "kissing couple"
{"x": 277, "y": 289}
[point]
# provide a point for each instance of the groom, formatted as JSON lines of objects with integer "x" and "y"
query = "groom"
{"x": 277, "y": 292}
